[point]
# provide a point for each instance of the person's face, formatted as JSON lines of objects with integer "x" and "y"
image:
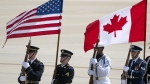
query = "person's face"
{"x": 99, "y": 50}
{"x": 64, "y": 60}
{"x": 134, "y": 54}
{"x": 32, "y": 55}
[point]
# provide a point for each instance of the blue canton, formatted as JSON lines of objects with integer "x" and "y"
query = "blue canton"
{"x": 50, "y": 7}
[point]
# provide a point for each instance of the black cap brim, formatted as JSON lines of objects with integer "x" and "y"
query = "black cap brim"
{"x": 64, "y": 55}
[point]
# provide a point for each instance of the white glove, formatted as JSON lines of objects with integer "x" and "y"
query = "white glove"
{"x": 25, "y": 64}
{"x": 52, "y": 82}
{"x": 90, "y": 72}
{"x": 123, "y": 81}
{"x": 93, "y": 61}
{"x": 22, "y": 78}
{"x": 125, "y": 68}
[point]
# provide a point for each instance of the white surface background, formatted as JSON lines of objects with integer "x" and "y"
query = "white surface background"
{"x": 77, "y": 14}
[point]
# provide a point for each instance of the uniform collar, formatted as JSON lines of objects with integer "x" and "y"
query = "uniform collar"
{"x": 136, "y": 59}
{"x": 31, "y": 61}
{"x": 64, "y": 65}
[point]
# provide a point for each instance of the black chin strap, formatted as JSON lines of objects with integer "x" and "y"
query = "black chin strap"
{"x": 33, "y": 54}
{"x": 136, "y": 55}
{"x": 64, "y": 60}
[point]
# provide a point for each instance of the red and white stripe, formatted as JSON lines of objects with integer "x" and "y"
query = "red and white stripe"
{"x": 29, "y": 24}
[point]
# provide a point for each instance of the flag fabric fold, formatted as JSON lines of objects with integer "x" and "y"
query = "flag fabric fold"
{"x": 122, "y": 26}
{"x": 43, "y": 20}
{"x": 91, "y": 35}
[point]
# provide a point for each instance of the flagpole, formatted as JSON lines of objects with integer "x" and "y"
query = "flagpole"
{"x": 144, "y": 50}
{"x": 58, "y": 41}
{"x": 25, "y": 60}
{"x": 145, "y": 28}
{"x": 92, "y": 66}
{"x": 124, "y": 74}
{"x": 56, "y": 55}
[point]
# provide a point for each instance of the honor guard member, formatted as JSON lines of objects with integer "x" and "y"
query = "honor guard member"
{"x": 64, "y": 72}
{"x": 147, "y": 75}
{"x": 136, "y": 67}
{"x": 33, "y": 68}
{"x": 102, "y": 66}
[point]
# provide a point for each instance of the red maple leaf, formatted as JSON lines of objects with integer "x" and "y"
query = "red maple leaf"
{"x": 116, "y": 24}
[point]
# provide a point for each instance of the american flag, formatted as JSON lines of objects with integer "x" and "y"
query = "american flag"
{"x": 43, "y": 20}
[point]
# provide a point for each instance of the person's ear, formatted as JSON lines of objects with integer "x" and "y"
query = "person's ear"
{"x": 68, "y": 58}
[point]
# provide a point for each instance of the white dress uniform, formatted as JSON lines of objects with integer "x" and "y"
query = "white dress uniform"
{"x": 101, "y": 70}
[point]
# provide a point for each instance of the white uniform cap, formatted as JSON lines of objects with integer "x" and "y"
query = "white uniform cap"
{"x": 99, "y": 45}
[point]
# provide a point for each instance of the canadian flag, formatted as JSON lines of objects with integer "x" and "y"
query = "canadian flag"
{"x": 122, "y": 26}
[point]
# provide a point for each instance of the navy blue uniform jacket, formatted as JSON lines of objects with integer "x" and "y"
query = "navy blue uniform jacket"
{"x": 35, "y": 71}
{"x": 64, "y": 74}
{"x": 136, "y": 72}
